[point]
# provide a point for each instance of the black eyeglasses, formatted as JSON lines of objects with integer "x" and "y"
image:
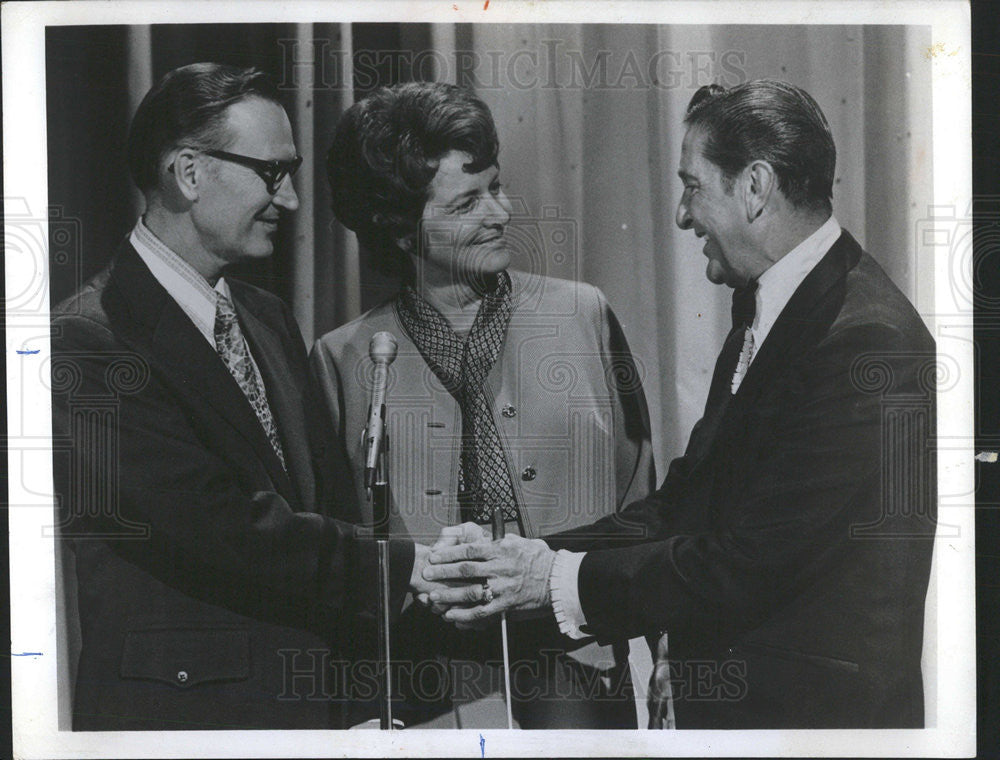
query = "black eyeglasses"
{"x": 272, "y": 172}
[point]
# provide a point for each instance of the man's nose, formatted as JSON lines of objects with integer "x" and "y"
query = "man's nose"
{"x": 286, "y": 197}
{"x": 682, "y": 217}
{"x": 498, "y": 210}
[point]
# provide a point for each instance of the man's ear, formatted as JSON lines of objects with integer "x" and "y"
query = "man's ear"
{"x": 187, "y": 174}
{"x": 407, "y": 244}
{"x": 760, "y": 182}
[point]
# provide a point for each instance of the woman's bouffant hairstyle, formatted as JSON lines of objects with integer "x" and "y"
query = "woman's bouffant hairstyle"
{"x": 385, "y": 152}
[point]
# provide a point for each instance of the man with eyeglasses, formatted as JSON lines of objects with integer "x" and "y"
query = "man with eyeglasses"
{"x": 218, "y": 574}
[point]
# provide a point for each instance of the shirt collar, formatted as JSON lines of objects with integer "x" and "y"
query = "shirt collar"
{"x": 182, "y": 282}
{"x": 781, "y": 280}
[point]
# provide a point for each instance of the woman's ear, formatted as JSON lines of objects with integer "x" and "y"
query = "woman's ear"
{"x": 406, "y": 243}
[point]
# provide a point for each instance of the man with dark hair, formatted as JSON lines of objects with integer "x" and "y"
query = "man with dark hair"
{"x": 774, "y": 122}
{"x": 218, "y": 577}
{"x": 787, "y": 552}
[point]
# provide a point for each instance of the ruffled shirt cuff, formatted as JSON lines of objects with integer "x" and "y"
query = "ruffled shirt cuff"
{"x": 565, "y": 596}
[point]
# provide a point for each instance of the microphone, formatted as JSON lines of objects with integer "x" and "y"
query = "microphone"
{"x": 382, "y": 350}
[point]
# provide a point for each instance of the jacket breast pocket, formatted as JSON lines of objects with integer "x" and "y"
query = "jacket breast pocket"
{"x": 185, "y": 657}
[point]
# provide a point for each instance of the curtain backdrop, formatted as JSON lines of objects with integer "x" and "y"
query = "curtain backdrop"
{"x": 589, "y": 119}
{"x": 590, "y": 143}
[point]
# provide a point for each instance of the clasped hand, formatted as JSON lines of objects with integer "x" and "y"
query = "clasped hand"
{"x": 464, "y": 561}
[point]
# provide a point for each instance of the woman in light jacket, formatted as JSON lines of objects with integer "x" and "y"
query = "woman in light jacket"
{"x": 510, "y": 391}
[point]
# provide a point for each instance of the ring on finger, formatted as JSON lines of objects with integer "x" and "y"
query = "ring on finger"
{"x": 487, "y": 593}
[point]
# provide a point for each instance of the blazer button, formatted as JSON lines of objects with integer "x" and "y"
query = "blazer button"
{"x": 508, "y": 411}
{"x": 528, "y": 473}
{"x": 182, "y": 676}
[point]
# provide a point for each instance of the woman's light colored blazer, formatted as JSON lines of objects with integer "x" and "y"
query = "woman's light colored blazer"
{"x": 566, "y": 396}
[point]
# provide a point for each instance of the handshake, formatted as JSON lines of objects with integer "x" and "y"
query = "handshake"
{"x": 467, "y": 578}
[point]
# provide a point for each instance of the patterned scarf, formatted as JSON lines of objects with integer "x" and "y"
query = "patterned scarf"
{"x": 462, "y": 366}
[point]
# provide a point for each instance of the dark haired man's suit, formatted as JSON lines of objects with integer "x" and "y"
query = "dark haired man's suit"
{"x": 790, "y": 546}
{"x": 215, "y": 589}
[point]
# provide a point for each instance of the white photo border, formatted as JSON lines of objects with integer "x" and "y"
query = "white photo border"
{"x": 33, "y": 612}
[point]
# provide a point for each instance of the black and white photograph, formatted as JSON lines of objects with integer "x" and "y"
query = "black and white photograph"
{"x": 495, "y": 378}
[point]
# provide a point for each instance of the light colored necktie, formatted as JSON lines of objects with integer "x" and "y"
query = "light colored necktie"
{"x": 746, "y": 356}
{"x": 232, "y": 348}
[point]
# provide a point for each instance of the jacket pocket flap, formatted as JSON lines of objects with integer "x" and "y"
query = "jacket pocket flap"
{"x": 186, "y": 657}
{"x": 785, "y": 653}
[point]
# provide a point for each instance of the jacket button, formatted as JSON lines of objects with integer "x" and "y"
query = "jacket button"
{"x": 182, "y": 676}
{"x": 528, "y": 473}
{"x": 508, "y": 411}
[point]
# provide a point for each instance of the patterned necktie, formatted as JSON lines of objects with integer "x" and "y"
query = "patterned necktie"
{"x": 746, "y": 355}
{"x": 232, "y": 348}
{"x": 743, "y": 312}
{"x": 730, "y": 368}
{"x": 462, "y": 366}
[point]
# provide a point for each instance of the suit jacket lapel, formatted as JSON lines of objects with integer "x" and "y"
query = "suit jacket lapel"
{"x": 284, "y": 395}
{"x": 803, "y": 317}
{"x": 156, "y": 326}
{"x": 801, "y": 321}
{"x": 719, "y": 397}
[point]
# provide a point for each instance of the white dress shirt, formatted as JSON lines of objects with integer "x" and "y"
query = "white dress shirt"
{"x": 182, "y": 281}
{"x": 775, "y": 288}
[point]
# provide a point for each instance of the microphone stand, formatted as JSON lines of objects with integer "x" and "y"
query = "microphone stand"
{"x": 378, "y": 496}
{"x": 498, "y": 532}
{"x": 375, "y": 443}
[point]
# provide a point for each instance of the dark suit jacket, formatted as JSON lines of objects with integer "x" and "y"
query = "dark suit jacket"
{"x": 215, "y": 589}
{"x": 788, "y": 550}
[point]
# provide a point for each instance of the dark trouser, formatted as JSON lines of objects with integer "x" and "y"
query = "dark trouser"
{"x": 550, "y": 689}
{"x": 569, "y": 694}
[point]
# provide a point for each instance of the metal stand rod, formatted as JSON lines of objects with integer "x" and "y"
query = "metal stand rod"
{"x": 499, "y": 530}
{"x": 385, "y": 717}
{"x": 378, "y": 495}
{"x": 506, "y": 669}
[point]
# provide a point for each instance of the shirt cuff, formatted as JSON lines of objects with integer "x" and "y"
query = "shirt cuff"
{"x": 565, "y": 596}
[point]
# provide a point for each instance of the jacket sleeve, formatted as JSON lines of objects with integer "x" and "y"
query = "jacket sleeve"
{"x": 147, "y": 474}
{"x": 814, "y": 470}
{"x": 635, "y": 474}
